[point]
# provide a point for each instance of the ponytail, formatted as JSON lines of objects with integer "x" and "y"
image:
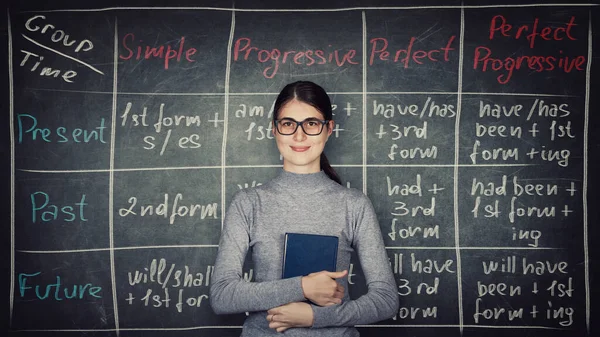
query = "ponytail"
{"x": 329, "y": 170}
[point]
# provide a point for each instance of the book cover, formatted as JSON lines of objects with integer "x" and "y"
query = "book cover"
{"x": 308, "y": 253}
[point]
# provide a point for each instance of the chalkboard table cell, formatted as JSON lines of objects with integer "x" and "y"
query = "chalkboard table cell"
{"x": 427, "y": 286}
{"x": 168, "y": 288}
{"x": 250, "y": 139}
{"x": 413, "y": 205}
{"x": 522, "y": 131}
{"x": 271, "y": 49}
{"x": 63, "y": 291}
{"x": 62, "y": 131}
{"x": 413, "y": 51}
{"x": 57, "y": 212}
{"x": 529, "y": 207}
{"x": 173, "y": 207}
{"x": 411, "y": 129}
{"x": 531, "y": 288}
{"x": 250, "y": 134}
{"x": 351, "y": 176}
{"x": 59, "y": 51}
{"x": 168, "y": 131}
{"x": 536, "y": 51}
{"x": 345, "y": 145}
{"x": 175, "y": 51}
{"x": 242, "y": 178}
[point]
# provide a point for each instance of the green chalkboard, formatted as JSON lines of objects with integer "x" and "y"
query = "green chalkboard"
{"x": 472, "y": 127}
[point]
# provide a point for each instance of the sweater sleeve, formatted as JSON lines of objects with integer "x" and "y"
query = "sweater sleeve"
{"x": 229, "y": 292}
{"x": 381, "y": 300}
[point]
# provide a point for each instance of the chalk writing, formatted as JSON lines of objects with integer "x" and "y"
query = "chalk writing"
{"x": 170, "y": 209}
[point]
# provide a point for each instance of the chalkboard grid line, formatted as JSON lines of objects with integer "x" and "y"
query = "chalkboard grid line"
{"x": 226, "y": 117}
{"x": 216, "y": 246}
{"x": 456, "y": 161}
{"x": 12, "y": 170}
{"x": 204, "y": 327}
{"x": 364, "y": 101}
{"x": 365, "y": 93}
{"x": 207, "y": 327}
{"x": 462, "y": 7}
{"x": 270, "y": 166}
{"x": 586, "y": 121}
{"x": 471, "y": 248}
{"x": 112, "y": 248}
{"x": 465, "y": 93}
{"x": 111, "y": 188}
{"x": 61, "y": 54}
{"x": 462, "y": 325}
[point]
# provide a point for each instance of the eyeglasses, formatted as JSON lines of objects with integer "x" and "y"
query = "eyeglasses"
{"x": 310, "y": 126}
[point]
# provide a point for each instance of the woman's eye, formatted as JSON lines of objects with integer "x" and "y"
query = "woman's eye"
{"x": 311, "y": 123}
{"x": 286, "y": 123}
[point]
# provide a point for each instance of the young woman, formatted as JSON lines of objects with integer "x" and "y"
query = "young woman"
{"x": 307, "y": 196}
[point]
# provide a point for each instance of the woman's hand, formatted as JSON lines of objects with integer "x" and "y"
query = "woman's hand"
{"x": 322, "y": 289}
{"x": 291, "y": 315}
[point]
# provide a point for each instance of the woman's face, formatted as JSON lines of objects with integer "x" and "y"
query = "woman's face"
{"x": 301, "y": 153}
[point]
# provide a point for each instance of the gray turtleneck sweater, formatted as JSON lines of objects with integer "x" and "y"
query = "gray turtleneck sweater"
{"x": 256, "y": 222}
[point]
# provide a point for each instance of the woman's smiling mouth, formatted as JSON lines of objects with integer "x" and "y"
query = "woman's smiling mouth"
{"x": 300, "y": 148}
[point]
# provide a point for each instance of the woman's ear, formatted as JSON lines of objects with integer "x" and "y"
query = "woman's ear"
{"x": 330, "y": 126}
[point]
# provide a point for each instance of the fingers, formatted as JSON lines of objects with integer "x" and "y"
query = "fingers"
{"x": 332, "y": 274}
{"x": 337, "y": 274}
{"x": 338, "y": 296}
{"x": 328, "y": 304}
{"x": 274, "y": 323}
{"x": 274, "y": 311}
{"x": 322, "y": 287}
{"x": 271, "y": 318}
{"x": 278, "y": 325}
{"x": 291, "y": 315}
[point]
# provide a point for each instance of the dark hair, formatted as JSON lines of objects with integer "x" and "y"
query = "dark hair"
{"x": 315, "y": 96}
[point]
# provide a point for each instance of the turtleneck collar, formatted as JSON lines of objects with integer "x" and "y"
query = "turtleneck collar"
{"x": 303, "y": 181}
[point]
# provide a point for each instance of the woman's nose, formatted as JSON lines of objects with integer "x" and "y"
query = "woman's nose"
{"x": 299, "y": 135}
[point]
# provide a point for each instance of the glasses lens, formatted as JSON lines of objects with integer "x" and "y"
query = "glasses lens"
{"x": 312, "y": 126}
{"x": 286, "y": 126}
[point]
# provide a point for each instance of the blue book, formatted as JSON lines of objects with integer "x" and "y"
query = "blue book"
{"x": 308, "y": 253}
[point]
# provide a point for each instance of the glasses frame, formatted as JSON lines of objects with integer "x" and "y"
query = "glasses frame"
{"x": 299, "y": 123}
